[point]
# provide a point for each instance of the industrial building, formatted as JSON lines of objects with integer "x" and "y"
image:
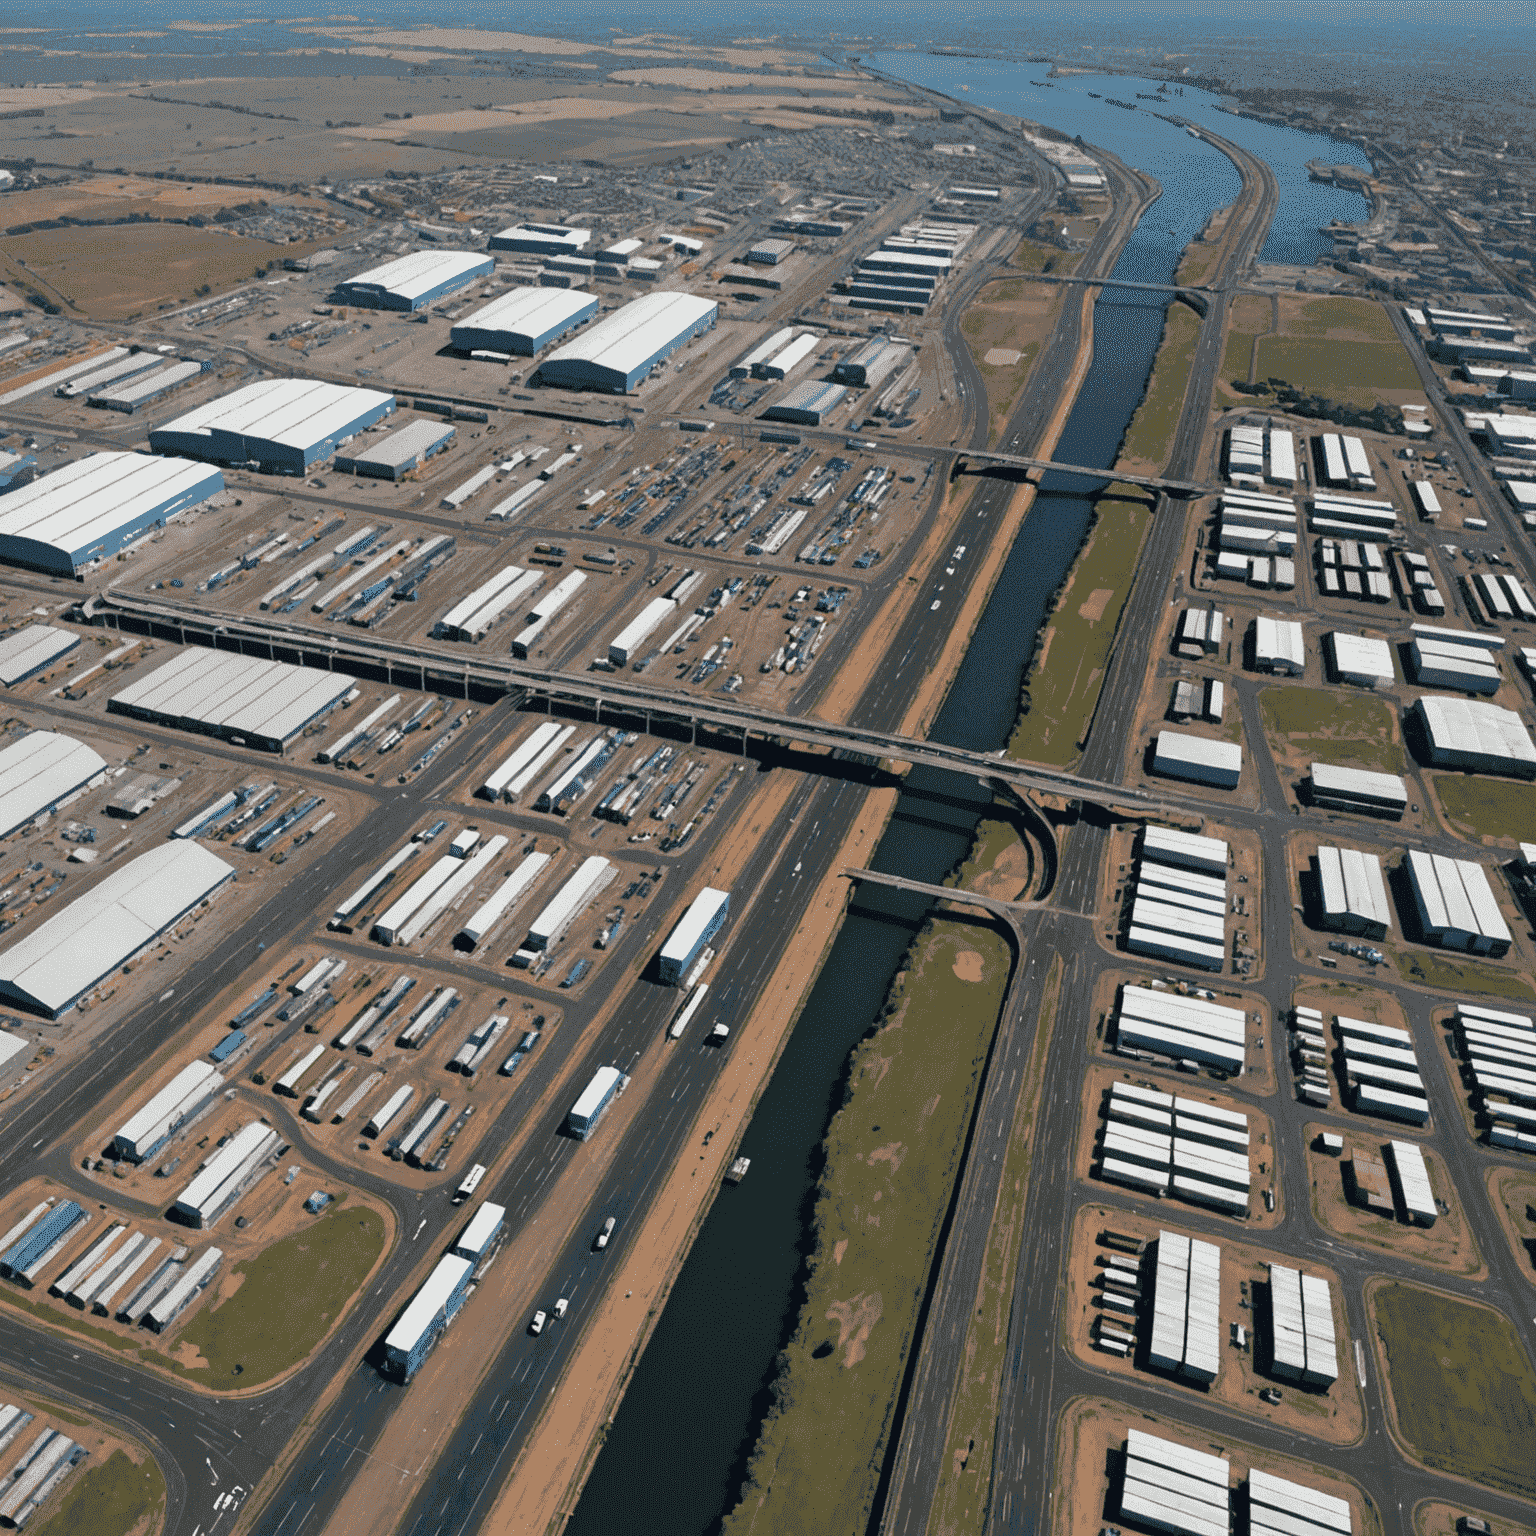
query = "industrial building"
{"x": 407, "y": 448}
{"x": 523, "y": 321}
{"x": 225, "y": 1176}
{"x": 1443, "y": 662}
{"x": 1455, "y": 904}
{"x": 156, "y": 1121}
{"x": 1304, "y": 1345}
{"x": 808, "y": 404}
{"x": 1183, "y": 1028}
{"x": 569, "y": 902}
{"x": 1382, "y": 1070}
{"x": 1357, "y": 789}
{"x": 541, "y": 239}
{"x": 1363, "y": 660}
{"x": 1500, "y": 1049}
{"x": 1279, "y": 1507}
{"x": 1184, "y": 850}
{"x": 1468, "y": 734}
{"x": 1186, "y": 1308}
{"x": 1411, "y": 1176}
{"x": 1197, "y": 759}
{"x": 606, "y": 1085}
{"x": 1178, "y": 902}
{"x": 429, "y": 1312}
{"x": 40, "y": 770}
{"x": 61, "y": 960}
{"x": 90, "y": 509}
{"x": 279, "y": 426}
{"x": 412, "y": 282}
{"x": 243, "y": 699}
{"x": 1169, "y": 1487}
{"x": 617, "y": 354}
{"x": 1352, "y": 892}
{"x": 1278, "y": 646}
{"x": 704, "y": 918}
{"x": 624, "y": 645}
{"x": 870, "y": 365}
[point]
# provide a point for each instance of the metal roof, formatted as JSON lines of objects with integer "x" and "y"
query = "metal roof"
{"x": 40, "y": 770}
{"x": 530, "y": 312}
{"x": 97, "y": 932}
{"x": 422, "y": 272}
{"x": 408, "y": 444}
{"x": 82, "y": 503}
{"x": 631, "y": 336}
{"x": 298, "y": 413}
{"x": 427, "y": 1303}
{"x": 701, "y": 911}
{"x": 27, "y": 651}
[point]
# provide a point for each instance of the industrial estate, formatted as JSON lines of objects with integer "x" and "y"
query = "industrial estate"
{"x": 608, "y": 654}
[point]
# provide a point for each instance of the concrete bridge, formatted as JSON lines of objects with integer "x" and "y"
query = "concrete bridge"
{"x": 1182, "y": 488}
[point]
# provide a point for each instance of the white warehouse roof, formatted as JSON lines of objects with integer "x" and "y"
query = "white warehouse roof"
{"x": 38, "y": 771}
{"x": 422, "y": 275}
{"x": 524, "y": 320}
{"x": 619, "y": 350}
{"x": 1466, "y": 733}
{"x": 58, "y": 962}
{"x": 26, "y": 652}
{"x": 93, "y": 507}
{"x": 242, "y": 698}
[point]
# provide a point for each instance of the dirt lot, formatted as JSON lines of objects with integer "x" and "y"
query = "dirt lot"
{"x": 1337, "y": 1414}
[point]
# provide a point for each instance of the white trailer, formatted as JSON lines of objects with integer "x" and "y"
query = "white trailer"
{"x": 569, "y": 902}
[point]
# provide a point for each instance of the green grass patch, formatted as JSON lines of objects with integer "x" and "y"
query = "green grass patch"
{"x": 892, "y": 1157}
{"x": 1063, "y": 685}
{"x": 1036, "y": 256}
{"x": 260, "y": 1328}
{"x": 1150, "y": 434}
{"x": 1463, "y": 1387}
{"x": 1439, "y": 971}
{"x": 1488, "y": 807}
{"x": 1321, "y": 317}
{"x": 1353, "y": 371}
{"x": 109, "y": 1500}
{"x": 1334, "y": 727}
{"x": 1248, "y": 316}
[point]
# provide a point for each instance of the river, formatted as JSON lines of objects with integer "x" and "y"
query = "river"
{"x": 675, "y": 1453}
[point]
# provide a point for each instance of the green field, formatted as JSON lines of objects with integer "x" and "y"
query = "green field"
{"x": 1149, "y": 438}
{"x": 1436, "y": 969}
{"x": 1488, "y": 807}
{"x": 258, "y": 1332}
{"x": 1462, "y": 1385}
{"x": 1064, "y": 680}
{"x": 109, "y": 1500}
{"x": 1034, "y": 256}
{"x": 1353, "y": 371}
{"x": 892, "y": 1157}
{"x": 1351, "y": 731}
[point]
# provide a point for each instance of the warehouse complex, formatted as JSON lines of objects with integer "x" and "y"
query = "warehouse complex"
{"x": 53, "y": 967}
{"x": 523, "y": 321}
{"x": 244, "y": 699}
{"x": 617, "y": 354}
{"x": 90, "y": 509}
{"x": 278, "y": 426}
{"x": 402, "y": 451}
{"x": 39, "y": 771}
{"x": 412, "y": 282}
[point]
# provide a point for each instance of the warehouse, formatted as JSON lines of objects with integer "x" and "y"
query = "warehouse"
{"x": 1455, "y": 904}
{"x": 429, "y": 1312}
{"x": 541, "y": 239}
{"x": 224, "y": 1176}
{"x": 787, "y": 359}
{"x": 412, "y": 282}
{"x": 1177, "y": 755}
{"x": 40, "y": 1237}
{"x": 1169, "y": 1487}
{"x": 90, "y": 509}
{"x": 1357, "y": 789}
{"x": 1186, "y": 1308}
{"x": 1439, "y": 663}
{"x": 155, "y": 1122}
{"x": 1362, "y": 660}
{"x": 1353, "y": 894}
{"x": 1304, "y": 1345}
{"x": 606, "y": 1085}
{"x": 1167, "y": 1024}
{"x": 1184, "y": 850}
{"x": 618, "y": 352}
{"x": 808, "y": 404}
{"x": 569, "y": 902}
{"x": 281, "y": 426}
{"x": 697, "y": 926}
{"x": 523, "y": 321}
{"x": 1463, "y": 733}
{"x": 1411, "y": 1177}
{"x": 870, "y": 365}
{"x": 244, "y": 699}
{"x": 400, "y": 452}
{"x": 1278, "y": 647}
{"x": 56, "y": 964}
{"x": 768, "y": 347}
{"x": 1278, "y": 1507}
{"x": 40, "y": 770}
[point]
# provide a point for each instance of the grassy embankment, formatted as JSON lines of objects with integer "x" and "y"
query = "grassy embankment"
{"x": 1462, "y": 1386}
{"x": 892, "y": 1158}
{"x": 1341, "y": 349}
{"x": 1015, "y": 315}
{"x": 1442, "y": 973}
{"x": 256, "y": 1327}
{"x": 112, "y": 1499}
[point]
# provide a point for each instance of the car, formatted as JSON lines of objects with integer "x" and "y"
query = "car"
{"x": 561, "y": 1305}
{"x": 537, "y": 1325}
{"x": 604, "y": 1232}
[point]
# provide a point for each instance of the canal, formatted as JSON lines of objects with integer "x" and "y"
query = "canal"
{"x": 673, "y": 1459}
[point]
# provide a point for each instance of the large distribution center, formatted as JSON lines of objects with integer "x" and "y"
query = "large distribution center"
{"x": 56, "y": 964}
{"x": 524, "y": 321}
{"x": 245, "y": 699}
{"x": 91, "y": 508}
{"x": 412, "y": 282}
{"x": 285, "y": 426}
{"x": 1468, "y": 733}
{"x": 541, "y": 239}
{"x": 619, "y": 352}
{"x": 39, "y": 771}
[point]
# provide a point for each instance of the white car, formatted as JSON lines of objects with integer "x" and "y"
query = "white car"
{"x": 560, "y": 1306}
{"x": 537, "y": 1325}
